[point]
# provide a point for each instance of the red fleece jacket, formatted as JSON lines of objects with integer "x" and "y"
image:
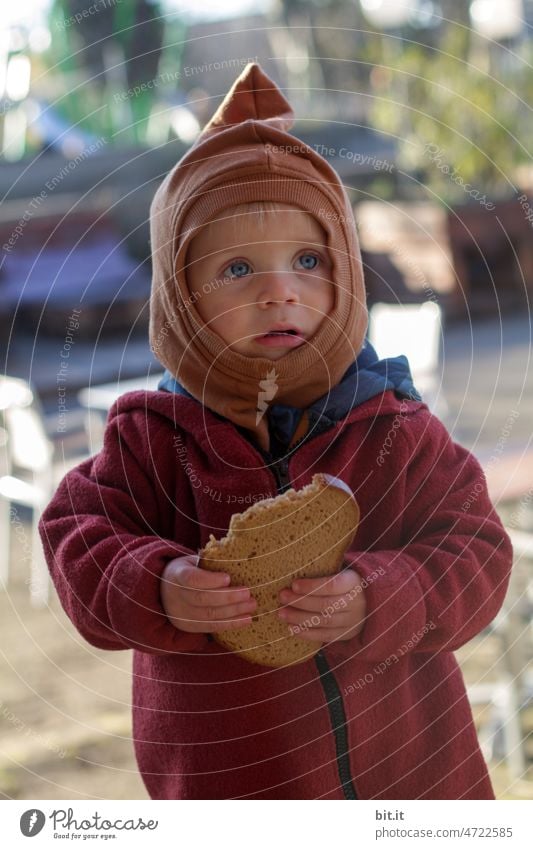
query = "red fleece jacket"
{"x": 381, "y": 716}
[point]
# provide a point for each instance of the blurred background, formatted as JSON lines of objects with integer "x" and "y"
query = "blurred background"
{"x": 424, "y": 109}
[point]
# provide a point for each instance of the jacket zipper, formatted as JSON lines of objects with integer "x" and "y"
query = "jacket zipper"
{"x": 328, "y": 681}
{"x": 338, "y": 721}
{"x": 280, "y": 469}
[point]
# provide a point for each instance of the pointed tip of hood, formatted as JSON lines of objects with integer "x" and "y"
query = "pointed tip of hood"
{"x": 253, "y": 96}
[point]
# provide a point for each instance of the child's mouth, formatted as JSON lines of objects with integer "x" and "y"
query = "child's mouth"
{"x": 281, "y": 339}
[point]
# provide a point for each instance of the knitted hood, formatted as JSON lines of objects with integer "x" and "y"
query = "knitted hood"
{"x": 245, "y": 154}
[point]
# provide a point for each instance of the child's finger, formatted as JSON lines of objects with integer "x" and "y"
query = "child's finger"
{"x": 194, "y": 578}
{"x": 320, "y": 619}
{"x": 204, "y": 579}
{"x": 218, "y": 598}
{"x": 316, "y": 603}
{"x": 330, "y": 585}
{"x": 214, "y": 613}
{"x": 214, "y": 595}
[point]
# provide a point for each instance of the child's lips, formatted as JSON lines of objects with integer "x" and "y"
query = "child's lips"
{"x": 280, "y": 340}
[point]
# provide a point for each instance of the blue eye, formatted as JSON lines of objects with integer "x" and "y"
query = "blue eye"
{"x": 238, "y": 269}
{"x": 308, "y": 261}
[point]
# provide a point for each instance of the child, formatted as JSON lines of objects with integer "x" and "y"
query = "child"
{"x": 258, "y": 314}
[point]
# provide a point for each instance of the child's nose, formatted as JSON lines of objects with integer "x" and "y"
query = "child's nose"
{"x": 277, "y": 286}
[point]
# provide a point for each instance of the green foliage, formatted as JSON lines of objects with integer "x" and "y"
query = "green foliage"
{"x": 99, "y": 64}
{"x": 456, "y": 112}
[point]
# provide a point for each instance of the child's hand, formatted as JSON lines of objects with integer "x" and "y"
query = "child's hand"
{"x": 194, "y": 600}
{"x": 325, "y": 609}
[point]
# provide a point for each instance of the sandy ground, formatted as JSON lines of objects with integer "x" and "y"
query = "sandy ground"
{"x": 65, "y": 723}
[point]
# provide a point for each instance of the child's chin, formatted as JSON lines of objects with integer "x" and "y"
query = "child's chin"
{"x": 257, "y": 351}
{"x": 272, "y": 353}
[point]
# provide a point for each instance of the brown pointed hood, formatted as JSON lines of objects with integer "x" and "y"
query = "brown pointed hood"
{"x": 245, "y": 154}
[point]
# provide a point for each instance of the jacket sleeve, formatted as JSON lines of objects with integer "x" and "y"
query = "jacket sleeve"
{"x": 103, "y": 550}
{"x": 449, "y": 579}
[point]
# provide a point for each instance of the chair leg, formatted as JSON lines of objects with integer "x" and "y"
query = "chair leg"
{"x": 507, "y": 705}
{"x": 5, "y": 540}
{"x": 40, "y": 577}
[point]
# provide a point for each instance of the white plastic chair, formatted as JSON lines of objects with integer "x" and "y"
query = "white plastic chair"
{"x": 26, "y": 479}
{"x": 415, "y": 331}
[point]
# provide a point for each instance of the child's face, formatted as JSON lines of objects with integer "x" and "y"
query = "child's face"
{"x": 247, "y": 277}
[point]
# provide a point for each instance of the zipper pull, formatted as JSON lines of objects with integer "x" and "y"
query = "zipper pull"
{"x": 283, "y": 476}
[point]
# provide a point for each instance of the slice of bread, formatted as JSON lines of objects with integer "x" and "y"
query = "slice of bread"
{"x": 301, "y": 533}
